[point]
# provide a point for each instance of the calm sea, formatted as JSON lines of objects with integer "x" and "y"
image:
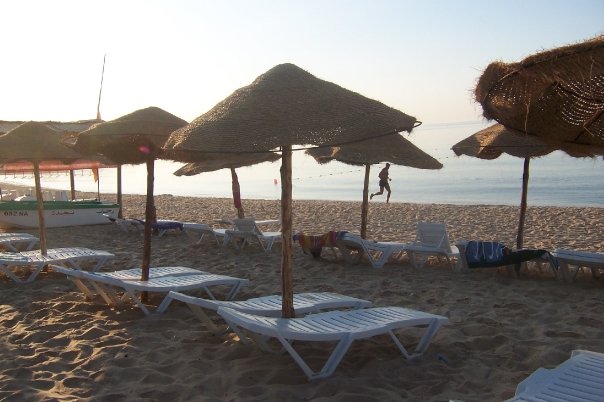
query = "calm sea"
{"x": 556, "y": 179}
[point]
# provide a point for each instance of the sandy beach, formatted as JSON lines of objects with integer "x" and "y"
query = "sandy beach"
{"x": 56, "y": 346}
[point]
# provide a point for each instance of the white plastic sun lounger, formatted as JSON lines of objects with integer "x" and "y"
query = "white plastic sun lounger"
{"x": 203, "y": 230}
{"x": 579, "y": 260}
{"x": 342, "y": 327}
{"x": 20, "y": 234}
{"x": 578, "y": 379}
{"x": 269, "y": 306}
{"x": 161, "y": 280}
{"x": 74, "y": 257}
{"x": 161, "y": 227}
{"x": 432, "y": 239}
{"x": 378, "y": 253}
{"x": 18, "y": 241}
{"x": 247, "y": 231}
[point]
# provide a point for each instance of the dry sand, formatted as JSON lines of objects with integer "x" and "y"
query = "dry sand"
{"x": 57, "y": 346}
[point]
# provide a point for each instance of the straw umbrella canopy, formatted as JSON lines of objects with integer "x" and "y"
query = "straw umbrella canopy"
{"x": 283, "y": 107}
{"x": 557, "y": 95}
{"x": 215, "y": 162}
{"x": 67, "y": 128}
{"x": 132, "y": 139}
{"x": 36, "y": 142}
{"x": 391, "y": 148}
{"x": 497, "y": 139}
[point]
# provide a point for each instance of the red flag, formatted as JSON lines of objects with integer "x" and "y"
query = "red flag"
{"x": 95, "y": 174}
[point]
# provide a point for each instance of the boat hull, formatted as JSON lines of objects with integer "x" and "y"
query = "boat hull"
{"x": 24, "y": 214}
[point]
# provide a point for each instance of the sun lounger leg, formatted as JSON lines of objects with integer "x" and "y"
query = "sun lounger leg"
{"x": 400, "y": 346}
{"x": 8, "y": 272}
{"x": 348, "y": 254}
{"x": 99, "y": 264}
{"x": 88, "y": 294}
{"x": 197, "y": 311}
{"x": 566, "y": 271}
{"x": 268, "y": 247}
{"x": 234, "y": 290}
{"x": 108, "y": 295}
{"x": 203, "y": 317}
{"x": 330, "y": 365}
{"x": 36, "y": 269}
{"x": 165, "y": 303}
{"x": 430, "y": 332}
{"x": 12, "y": 248}
{"x": 419, "y": 260}
{"x": 237, "y": 331}
{"x": 137, "y": 301}
{"x": 423, "y": 344}
{"x": 262, "y": 342}
{"x": 384, "y": 258}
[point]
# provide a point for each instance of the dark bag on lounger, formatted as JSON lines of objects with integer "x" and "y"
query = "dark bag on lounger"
{"x": 481, "y": 254}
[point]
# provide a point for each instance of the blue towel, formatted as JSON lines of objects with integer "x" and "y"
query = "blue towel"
{"x": 486, "y": 254}
{"x": 168, "y": 225}
{"x": 494, "y": 254}
{"x": 163, "y": 224}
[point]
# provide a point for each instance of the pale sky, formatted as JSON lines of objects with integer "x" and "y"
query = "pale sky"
{"x": 422, "y": 57}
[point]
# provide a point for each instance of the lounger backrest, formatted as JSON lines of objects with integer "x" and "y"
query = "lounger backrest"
{"x": 351, "y": 237}
{"x": 246, "y": 225}
{"x": 433, "y": 235}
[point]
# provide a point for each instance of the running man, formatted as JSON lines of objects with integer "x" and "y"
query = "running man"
{"x": 383, "y": 183}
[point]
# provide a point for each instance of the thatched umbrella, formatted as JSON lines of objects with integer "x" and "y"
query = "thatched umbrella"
{"x": 495, "y": 140}
{"x": 132, "y": 139}
{"x": 283, "y": 107}
{"x": 59, "y": 166}
{"x": 66, "y": 128}
{"x": 231, "y": 161}
{"x": 391, "y": 148}
{"x": 35, "y": 142}
{"x": 557, "y": 95}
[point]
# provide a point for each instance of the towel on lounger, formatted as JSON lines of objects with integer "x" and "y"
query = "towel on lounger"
{"x": 494, "y": 254}
{"x": 313, "y": 244}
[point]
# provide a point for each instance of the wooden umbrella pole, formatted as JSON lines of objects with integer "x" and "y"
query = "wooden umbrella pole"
{"x": 119, "y": 191}
{"x": 287, "y": 284}
{"x": 40, "y": 203}
{"x": 72, "y": 184}
{"x": 149, "y": 218}
{"x": 237, "y": 194}
{"x": 525, "y": 179}
{"x": 365, "y": 206}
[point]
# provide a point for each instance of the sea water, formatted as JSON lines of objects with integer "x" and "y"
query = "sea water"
{"x": 556, "y": 179}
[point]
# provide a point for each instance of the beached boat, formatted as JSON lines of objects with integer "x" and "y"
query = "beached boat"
{"x": 24, "y": 214}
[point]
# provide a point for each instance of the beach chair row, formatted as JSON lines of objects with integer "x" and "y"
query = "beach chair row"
{"x": 243, "y": 232}
{"x": 321, "y": 317}
{"x": 432, "y": 240}
{"x": 19, "y": 255}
